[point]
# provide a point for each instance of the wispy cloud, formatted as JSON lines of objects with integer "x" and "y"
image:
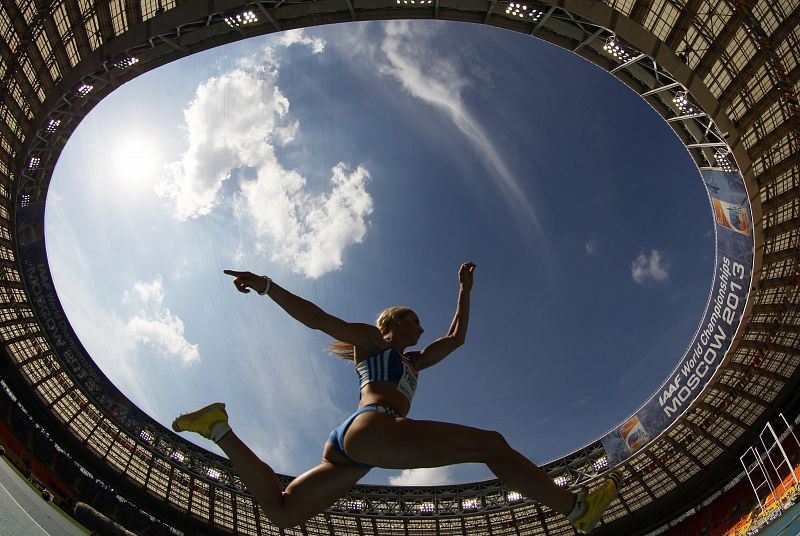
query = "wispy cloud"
{"x": 102, "y": 331}
{"x": 650, "y": 267}
{"x": 235, "y": 122}
{"x": 433, "y": 476}
{"x": 435, "y": 78}
{"x": 575, "y": 404}
{"x": 590, "y": 247}
{"x": 156, "y": 325}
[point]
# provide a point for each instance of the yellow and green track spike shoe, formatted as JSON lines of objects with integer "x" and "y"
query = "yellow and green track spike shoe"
{"x": 201, "y": 421}
{"x": 597, "y": 501}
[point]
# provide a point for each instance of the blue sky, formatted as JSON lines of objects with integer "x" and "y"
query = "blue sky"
{"x": 359, "y": 165}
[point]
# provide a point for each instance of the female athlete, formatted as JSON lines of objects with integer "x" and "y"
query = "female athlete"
{"x": 379, "y": 434}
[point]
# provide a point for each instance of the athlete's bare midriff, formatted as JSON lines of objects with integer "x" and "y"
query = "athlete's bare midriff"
{"x": 384, "y": 394}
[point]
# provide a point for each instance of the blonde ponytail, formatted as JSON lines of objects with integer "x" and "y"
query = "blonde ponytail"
{"x": 345, "y": 350}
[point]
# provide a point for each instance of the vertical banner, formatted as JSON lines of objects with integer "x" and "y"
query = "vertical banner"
{"x": 730, "y": 286}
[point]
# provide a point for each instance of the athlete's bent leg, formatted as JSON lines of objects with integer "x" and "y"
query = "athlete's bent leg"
{"x": 307, "y": 495}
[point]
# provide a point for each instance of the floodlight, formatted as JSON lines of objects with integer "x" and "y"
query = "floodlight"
{"x": 126, "y": 62}
{"x": 84, "y": 89}
{"x": 681, "y": 100}
{"x": 616, "y": 49}
{"x": 213, "y": 473}
{"x": 34, "y": 162}
{"x": 514, "y": 496}
{"x": 415, "y": 2}
{"x": 145, "y": 435}
{"x": 52, "y": 125}
{"x": 522, "y": 11}
{"x": 561, "y": 481}
{"x": 426, "y": 508}
{"x": 470, "y": 504}
{"x": 600, "y": 464}
{"x": 178, "y": 456}
{"x": 723, "y": 160}
{"x": 242, "y": 19}
{"x": 353, "y": 504}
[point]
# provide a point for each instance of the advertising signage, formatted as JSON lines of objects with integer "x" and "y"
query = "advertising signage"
{"x": 730, "y": 286}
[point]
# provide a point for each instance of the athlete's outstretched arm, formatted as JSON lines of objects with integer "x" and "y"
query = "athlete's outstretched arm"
{"x": 360, "y": 335}
{"x": 457, "y": 334}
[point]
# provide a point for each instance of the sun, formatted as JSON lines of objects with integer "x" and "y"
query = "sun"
{"x": 134, "y": 161}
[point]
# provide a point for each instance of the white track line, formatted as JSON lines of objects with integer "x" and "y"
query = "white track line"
{"x": 21, "y": 508}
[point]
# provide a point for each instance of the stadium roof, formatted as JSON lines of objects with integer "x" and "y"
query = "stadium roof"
{"x": 723, "y": 74}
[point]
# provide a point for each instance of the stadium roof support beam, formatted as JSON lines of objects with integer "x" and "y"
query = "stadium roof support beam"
{"x": 790, "y": 162}
{"x": 594, "y": 35}
{"x": 350, "y": 9}
{"x": 640, "y": 9}
{"x": 769, "y": 98}
{"x": 719, "y": 44}
{"x": 628, "y": 63}
{"x": 661, "y": 465}
{"x": 636, "y": 474}
{"x": 758, "y": 371}
{"x": 683, "y": 451}
{"x": 740, "y": 393}
{"x": 685, "y": 117}
{"x": 783, "y": 227}
{"x": 489, "y": 12}
{"x": 702, "y": 432}
{"x": 543, "y": 20}
{"x": 785, "y": 27}
{"x": 773, "y": 203}
{"x": 706, "y": 144}
{"x": 769, "y": 327}
{"x": 269, "y": 16}
{"x": 666, "y": 87}
{"x": 681, "y": 27}
{"x": 713, "y": 410}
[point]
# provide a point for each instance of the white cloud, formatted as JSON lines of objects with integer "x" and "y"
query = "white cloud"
{"x": 102, "y": 332}
{"x": 590, "y": 247}
{"x": 323, "y": 225}
{"x": 146, "y": 291}
{"x": 431, "y": 75}
{"x": 224, "y": 137}
{"x": 157, "y": 326}
{"x": 164, "y": 331}
{"x": 306, "y": 231}
{"x": 650, "y": 267}
{"x": 433, "y": 476}
{"x": 290, "y": 37}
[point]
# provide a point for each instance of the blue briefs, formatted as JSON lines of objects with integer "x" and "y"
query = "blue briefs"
{"x": 336, "y": 437}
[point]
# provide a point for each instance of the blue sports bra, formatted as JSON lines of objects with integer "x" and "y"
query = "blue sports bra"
{"x": 392, "y": 366}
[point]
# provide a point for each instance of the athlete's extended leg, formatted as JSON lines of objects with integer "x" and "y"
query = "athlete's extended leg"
{"x": 307, "y": 495}
{"x": 380, "y": 440}
{"x": 397, "y": 443}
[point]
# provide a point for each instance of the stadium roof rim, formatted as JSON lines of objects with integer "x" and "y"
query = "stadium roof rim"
{"x": 126, "y": 49}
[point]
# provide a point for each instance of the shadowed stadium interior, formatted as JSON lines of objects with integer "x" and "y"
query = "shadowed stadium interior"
{"x": 722, "y": 73}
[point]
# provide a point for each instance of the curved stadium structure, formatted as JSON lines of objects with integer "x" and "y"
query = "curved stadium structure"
{"x": 723, "y": 74}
